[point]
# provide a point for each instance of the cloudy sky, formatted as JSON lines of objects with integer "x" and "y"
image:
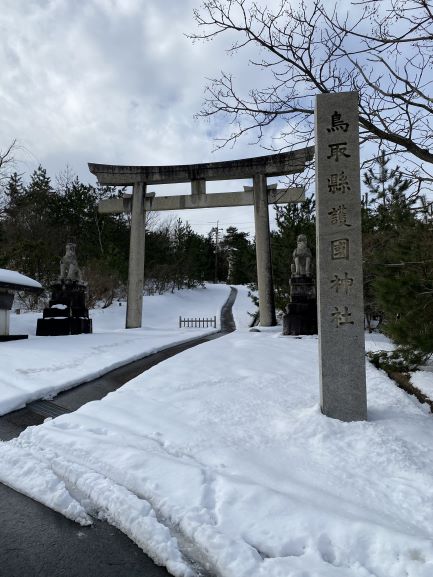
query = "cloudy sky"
{"x": 112, "y": 81}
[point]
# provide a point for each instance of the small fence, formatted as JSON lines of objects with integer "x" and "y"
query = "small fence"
{"x": 197, "y": 323}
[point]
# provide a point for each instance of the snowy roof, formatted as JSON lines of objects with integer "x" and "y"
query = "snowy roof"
{"x": 12, "y": 280}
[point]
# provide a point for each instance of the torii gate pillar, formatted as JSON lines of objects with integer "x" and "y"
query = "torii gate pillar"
{"x": 136, "y": 257}
{"x": 263, "y": 252}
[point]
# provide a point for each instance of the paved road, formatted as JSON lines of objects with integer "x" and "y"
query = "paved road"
{"x": 38, "y": 542}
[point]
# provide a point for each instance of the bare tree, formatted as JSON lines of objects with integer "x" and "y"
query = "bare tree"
{"x": 383, "y": 50}
{"x": 7, "y": 164}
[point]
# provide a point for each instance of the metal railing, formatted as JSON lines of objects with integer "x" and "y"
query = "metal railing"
{"x": 197, "y": 322}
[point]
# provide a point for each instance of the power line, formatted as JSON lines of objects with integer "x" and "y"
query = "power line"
{"x": 397, "y": 264}
{"x": 222, "y": 223}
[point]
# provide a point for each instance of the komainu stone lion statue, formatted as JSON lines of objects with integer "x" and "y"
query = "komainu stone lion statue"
{"x": 301, "y": 257}
{"x": 69, "y": 266}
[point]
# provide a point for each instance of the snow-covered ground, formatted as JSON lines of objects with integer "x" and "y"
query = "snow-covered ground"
{"x": 220, "y": 459}
{"x": 43, "y": 366}
{"x": 422, "y": 379}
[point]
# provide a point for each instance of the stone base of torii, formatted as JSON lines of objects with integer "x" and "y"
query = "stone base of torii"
{"x": 260, "y": 196}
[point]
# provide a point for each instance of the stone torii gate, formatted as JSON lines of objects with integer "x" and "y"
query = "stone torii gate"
{"x": 258, "y": 168}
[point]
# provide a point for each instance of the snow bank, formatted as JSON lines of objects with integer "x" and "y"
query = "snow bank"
{"x": 423, "y": 381}
{"x": 41, "y": 367}
{"x": 220, "y": 458}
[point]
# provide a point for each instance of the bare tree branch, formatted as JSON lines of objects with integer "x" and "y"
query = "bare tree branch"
{"x": 7, "y": 164}
{"x": 382, "y": 50}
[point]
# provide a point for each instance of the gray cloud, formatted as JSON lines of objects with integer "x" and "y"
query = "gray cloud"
{"x": 112, "y": 81}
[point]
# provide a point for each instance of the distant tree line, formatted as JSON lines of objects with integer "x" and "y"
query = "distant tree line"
{"x": 38, "y": 218}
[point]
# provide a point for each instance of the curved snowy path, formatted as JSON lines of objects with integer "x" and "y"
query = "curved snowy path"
{"x": 12, "y": 424}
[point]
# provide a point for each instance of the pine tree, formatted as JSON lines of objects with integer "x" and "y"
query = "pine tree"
{"x": 388, "y": 194}
{"x": 398, "y": 271}
{"x": 14, "y": 190}
{"x": 30, "y": 232}
{"x": 189, "y": 254}
{"x": 237, "y": 248}
{"x": 102, "y": 240}
{"x": 386, "y": 214}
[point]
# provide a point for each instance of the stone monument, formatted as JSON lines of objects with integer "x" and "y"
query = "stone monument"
{"x": 301, "y": 313}
{"x": 67, "y": 313}
{"x": 339, "y": 258}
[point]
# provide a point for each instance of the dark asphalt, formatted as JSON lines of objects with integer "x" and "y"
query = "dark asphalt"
{"x": 38, "y": 542}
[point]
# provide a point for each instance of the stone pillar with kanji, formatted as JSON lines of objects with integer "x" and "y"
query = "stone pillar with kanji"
{"x": 339, "y": 258}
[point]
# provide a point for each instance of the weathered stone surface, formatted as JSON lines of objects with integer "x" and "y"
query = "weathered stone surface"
{"x": 301, "y": 313}
{"x": 63, "y": 326}
{"x": 300, "y": 319}
{"x": 67, "y": 313}
{"x": 263, "y": 253}
{"x": 198, "y": 186}
{"x": 302, "y": 289}
{"x": 339, "y": 258}
{"x": 136, "y": 258}
{"x": 301, "y": 257}
{"x": 201, "y": 200}
{"x": 68, "y": 264}
{"x": 269, "y": 165}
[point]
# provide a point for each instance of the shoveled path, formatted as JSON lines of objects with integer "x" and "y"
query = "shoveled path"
{"x": 38, "y": 542}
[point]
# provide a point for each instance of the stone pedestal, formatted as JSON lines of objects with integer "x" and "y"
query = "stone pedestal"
{"x": 301, "y": 312}
{"x": 67, "y": 313}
